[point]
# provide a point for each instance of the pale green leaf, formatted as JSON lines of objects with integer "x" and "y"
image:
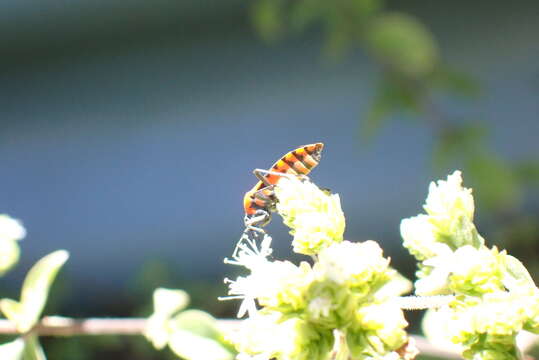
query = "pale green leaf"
{"x": 166, "y": 303}
{"x": 33, "y": 349}
{"x": 157, "y": 331}
{"x": 169, "y": 301}
{"x": 197, "y": 322}
{"x": 516, "y": 275}
{"x": 9, "y": 255}
{"x": 193, "y": 347}
{"x": 12, "y": 350}
{"x": 35, "y": 291}
{"x": 12, "y": 310}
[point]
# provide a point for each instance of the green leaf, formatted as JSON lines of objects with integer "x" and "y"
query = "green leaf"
{"x": 305, "y": 13}
{"x": 528, "y": 172}
{"x": 201, "y": 324}
{"x": 194, "y": 347}
{"x": 12, "y": 350}
{"x": 35, "y": 291}
{"x": 169, "y": 301}
{"x": 496, "y": 184}
{"x": 166, "y": 303}
{"x": 267, "y": 17}
{"x": 391, "y": 97}
{"x": 455, "y": 82}
{"x": 403, "y": 43}
{"x": 516, "y": 275}
{"x": 33, "y": 350}
{"x": 9, "y": 255}
{"x": 456, "y": 142}
{"x": 197, "y": 322}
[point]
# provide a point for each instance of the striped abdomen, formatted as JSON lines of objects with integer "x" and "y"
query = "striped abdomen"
{"x": 297, "y": 162}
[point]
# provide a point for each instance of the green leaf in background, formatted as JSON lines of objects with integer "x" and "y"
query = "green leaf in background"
{"x": 456, "y": 142}
{"x": 13, "y": 350}
{"x": 496, "y": 183}
{"x": 268, "y": 19}
{"x": 403, "y": 43}
{"x": 306, "y": 13}
{"x": 35, "y": 291}
{"x": 392, "y": 97}
{"x": 166, "y": 303}
{"x": 191, "y": 334}
{"x": 455, "y": 82}
{"x": 202, "y": 324}
{"x": 528, "y": 172}
{"x": 32, "y": 349}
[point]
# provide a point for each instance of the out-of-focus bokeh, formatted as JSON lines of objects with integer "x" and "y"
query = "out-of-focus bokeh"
{"x": 129, "y": 129}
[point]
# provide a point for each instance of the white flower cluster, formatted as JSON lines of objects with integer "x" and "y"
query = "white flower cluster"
{"x": 314, "y": 215}
{"x": 494, "y": 296}
{"x": 295, "y": 310}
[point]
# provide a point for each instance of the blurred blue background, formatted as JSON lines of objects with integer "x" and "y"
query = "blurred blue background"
{"x": 130, "y": 129}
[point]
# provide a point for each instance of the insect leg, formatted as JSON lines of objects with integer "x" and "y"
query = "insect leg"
{"x": 256, "y": 221}
{"x": 259, "y": 173}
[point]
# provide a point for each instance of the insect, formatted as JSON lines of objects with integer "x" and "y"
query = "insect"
{"x": 260, "y": 201}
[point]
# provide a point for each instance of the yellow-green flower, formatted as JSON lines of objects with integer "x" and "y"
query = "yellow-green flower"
{"x": 314, "y": 215}
{"x": 266, "y": 336}
{"x": 360, "y": 267}
{"x": 449, "y": 199}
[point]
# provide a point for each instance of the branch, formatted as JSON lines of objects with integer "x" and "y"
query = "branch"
{"x": 63, "y": 326}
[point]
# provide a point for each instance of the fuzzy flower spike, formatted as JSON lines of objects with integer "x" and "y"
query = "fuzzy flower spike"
{"x": 494, "y": 297}
{"x": 314, "y": 215}
{"x": 340, "y": 307}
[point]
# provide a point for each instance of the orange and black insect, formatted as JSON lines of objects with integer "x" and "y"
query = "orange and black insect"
{"x": 260, "y": 200}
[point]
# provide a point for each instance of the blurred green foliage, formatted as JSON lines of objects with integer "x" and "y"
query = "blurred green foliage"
{"x": 414, "y": 82}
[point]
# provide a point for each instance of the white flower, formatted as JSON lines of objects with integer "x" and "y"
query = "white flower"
{"x": 314, "y": 215}
{"x": 437, "y": 281}
{"x": 352, "y": 263}
{"x": 262, "y": 337}
{"x": 448, "y": 198}
{"x": 420, "y": 237}
{"x": 272, "y": 284}
{"x": 250, "y": 256}
{"x": 265, "y": 337}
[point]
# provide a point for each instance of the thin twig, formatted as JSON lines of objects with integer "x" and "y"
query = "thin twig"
{"x": 62, "y": 326}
